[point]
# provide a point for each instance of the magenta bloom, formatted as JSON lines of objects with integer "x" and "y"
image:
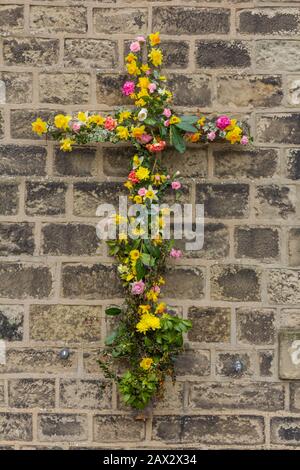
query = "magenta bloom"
{"x": 211, "y": 136}
{"x": 135, "y": 46}
{"x": 244, "y": 140}
{"x": 176, "y": 185}
{"x": 175, "y": 253}
{"x": 128, "y": 88}
{"x": 223, "y": 122}
{"x": 167, "y": 112}
{"x": 137, "y": 288}
{"x": 145, "y": 138}
{"x": 167, "y": 123}
{"x": 76, "y": 126}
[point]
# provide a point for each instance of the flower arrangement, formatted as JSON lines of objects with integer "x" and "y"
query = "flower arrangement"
{"x": 148, "y": 337}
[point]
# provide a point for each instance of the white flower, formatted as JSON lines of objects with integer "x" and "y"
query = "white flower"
{"x": 143, "y": 114}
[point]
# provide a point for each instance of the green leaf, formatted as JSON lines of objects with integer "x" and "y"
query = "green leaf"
{"x": 177, "y": 140}
{"x": 140, "y": 270}
{"x": 113, "y": 310}
{"x": 109, "y": 340}
{"x": 189, "y": 118}
{"x": 153, "y": 250}
{"x": 150, "y": 122}
{"x": 186, "y": 126}
{"x": 147, "y": 260}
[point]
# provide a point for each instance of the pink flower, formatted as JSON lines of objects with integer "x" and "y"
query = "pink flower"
{"x": 132, "y": 177}
{"x": 152, "y": 87}
{"x": 167, "y": 123}
{"x": 110, "y": 123}
{"x": 128, "y": 88}
{"x": 157, "y": 146}
{"x": 76, "y": 126}
{"x": 156, "y": 289}
{"x": 145, "y": 138}
{"x": 167, "y": 112}
{"x": 244, "y": 140}
{"x": 138, "y": 287}
{"x": 223, "y": 122}
{"x": 176, "y": 185}
{"x": 142, "y": 191}
{"x": 148, "y": 72}
{"x": 175, "y": 253}
{"x": 141, "y": 38}
{"x": 135, "y": 46}
{"x": 211, "y": 135}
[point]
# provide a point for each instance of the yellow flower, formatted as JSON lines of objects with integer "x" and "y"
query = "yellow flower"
{"x": 138, "y": 199}
{"x": 144, "y": 309}
{"x": 66, "y": 145}
{"x": 119, "y": 219}
{"x": 124, "y": 115}
{"x": 195, "y": 137}
{"x": 129, "y": 277}
{"x": 145, "y": 68}
{"x": 147, "y": 322}
{"x": 133, "y": 69}
{"x": 146, "y": 363}
{"x": 128, "y": 185}
{"x": 143, "y": 82}
{"x": 82, "y": 116}
{"x": 175, "y": 120}
{"x": 131, "y": 57}
{"x": 154, "y": 39}
{"x": 140, "y": 102}
{"x": 143, "y": 93}
{"x": 160, "y": 308}
{"x": 156, "y": 57}
{"x": 123, "y": 132}
{"x": 137, "y": 131}
{"x": 235, "y": 135}
{"x": 232, "y": 125}
{"x": 96, "y": 119}
{"x": 152, "y": 295}
{"x": 151, "y": 194}
{"x": 201, "y": 121}
{"x": 123, "y": 236}
{"x": 134, "y": 254}
{"x": 39, "y": 126}
{"x": 142, "y": 173}
{"x": 161, "y": 281}
{"x": 61, "y": 121}
{"x": 136, "y": 161}
{"x": 138, "y": 231}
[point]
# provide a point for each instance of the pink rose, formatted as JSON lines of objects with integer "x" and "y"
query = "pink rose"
{"x": 244, "y": 140}
{"x": 138, "y": 287}
{"x": 142, "y": 191}
{"x": 141, "y": 38}
{"x": 135, "y": 46}
{"x": 110, "y": 123}
{"x": 176, "y": 185}
{"x": 223, "y": 122}
{"x": 148, "y": 72}
{"x": 167, "y": 112}
{"x": 145, "y": 138}
{"x": 211, "y": 135}
{"x": 152, "y": 87}
{"x": 156, "y": 289}
{"x": 167, "y": 123}
{"x": 128, "y": 88}
{"x": 175, "y": 253}
{"x": 76, "y": 126}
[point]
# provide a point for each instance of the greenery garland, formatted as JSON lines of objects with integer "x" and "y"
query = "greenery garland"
{"x": 147, "y": 336}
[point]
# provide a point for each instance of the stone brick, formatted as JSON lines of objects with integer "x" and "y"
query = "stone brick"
{"x": 295, "y": 396}
{"x": 69, "y": 239}
{"x": 67, "y": 323}
{"x": 223, "y": 200}
{"x": 24, "y": 281}
{"x": 184, "y": 283}
{"x": 176, "y": 54}
{"x": 285, "y": 431}
{"x": 108, "y": 89}
{"x": 269, "y": 21}
{"x": 83, "y": 281}
{"x": 266, "y": 363}
{"x": 193, "y": 362}
{"x": 256, "y": 326}
{"x": 21, "y": 120}
{"x": 190, "y": 89}
{"x": 81, "y": 161}
{"x": 210, "y": 325}
{"x": 293, "y": 91}
{"x": 219, "y": 54}
{"x": 9, "y": 198}
{"x": 11, "y": 19}
{"x": 91, "y": 53}
{"x": 235, "y": 283}
{"x": 170, "y": 196}
{"x": 261, "y": 243}
{"x": 116, "y": 160}
{"x": 11, "y": 322}
{"x": 45, "y": 198}
{"x": 275, "y": 201}
{"x": 18, "y": 160}
{"x": 191, "y": 20}
{"x": 2, "y": 395}
{"x": 53, "y": 19}
{"x": 31, "y": 393}
{"x": 172, "y": 398}
{"x": 215, "y": 246}
{"x": 294, "y": 246}
{"x": 2, "y": 123}
{"x": 212, "y": 429}
{"x": 89, "y": 195}
{"x": 249, "y": 163}
{"x": 225, "y": 364}
{"x": 62, "y": 427}
{"x": 277, "y": 54}
{"x": 193, "y": 165}
{"x": 81, "y": 394}
{"x": 90, "y": 361}
{"x": 18, "y": 87}
{"x": 16, "y": 426}
{"x": 279, "y": 128}
{"x": 252, "y": 396}
{"x": 16, "y": 238}
{"x": 30, "y": 51}
{"x": 249, "y": 90}
{"x": 41, "y": 361}
{"x": 120, "y": 20}
{"x": 289, "y": 318}
{"x": 115, "y": 428}
{"x": 284, "y": 286}
{"x": 64, "y": 88}
{"x": 292, "y": 169}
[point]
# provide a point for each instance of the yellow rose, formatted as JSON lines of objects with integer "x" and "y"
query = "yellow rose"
{"x": 142, "y": 173}
{"x": 61, "y": 121}
{"x": 146, "y": 363}
{"x": 39, "y": 126}
{"x": 137, "y": 131}
{"x": 122, "y": 132}
{"x": 66, "y": 145}
{"x": 154, "y": 39}
{"x": 175, "y": 120}
{"x": 156, "y": 57}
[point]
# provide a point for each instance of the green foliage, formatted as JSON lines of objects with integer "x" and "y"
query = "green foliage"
{"x": 137, "y": 388}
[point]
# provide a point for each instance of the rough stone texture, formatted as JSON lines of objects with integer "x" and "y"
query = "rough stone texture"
{"x": 292, "y": 168}
{"x": 295, "y": 396}
{"x": 90, "y": 394}
{"x": 66, "y": 239}
{"x": 275, "y": 201}
{"x": 285, "y": 431}
{"x": 277, "y": 55}
{"x": 25, "y": 280}
{"x": 223, "y": 200}
{"x": 190, "y": 90}
{"x": 30, "y": 51}
{"x": 16, "y": 239}
{"x": 41, "y": 361}
{"x": 266, "y": 363}
{"x": 279, "y": 128}
{"x": 257, "y": 243}
{"x": 256, "y": 326}
{"x": 225, "y": 365}
{"x": 222, "y": 54}
{"x": 195, "y": 363}
{"x": 31, "y": 393}
{"x": 55, "y": 427}
{"x": 210, "y": 325}
{"x": 11, "y": 322}
{"x": 9, "y": 198}
{"x": 283, "y": 286}
{"x": 184, "y": 283}
{"x": 88, "y": 196}
{"x": 294, "y": 247}
{"x": 81, "y": 161}
{"x": 16, "y": 426}
{"x": 45, "y": 198}
{"x": 176, "y": 54}
{"x": 91, "y": 53}
{"x": 18, "y": 160}
{"x": 18, "y": 87}
{"x": 54, "y": 19}
{"x": 235, "y": 283}
{"x": 65, "y": 88}
{"x": 114, "y": 428}
{"x": 120, "y": 20}
{"x": 269, "y": 21}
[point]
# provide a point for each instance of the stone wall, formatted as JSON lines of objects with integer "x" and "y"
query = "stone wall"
{"x": 55, "y": 279}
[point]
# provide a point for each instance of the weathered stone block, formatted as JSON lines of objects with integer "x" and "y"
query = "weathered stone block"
{"x": 45, "y": 198}
{"x": 176, "y": 54}
{"x": 67, "y": 323}
{"x": 53, "y": 19}
{"x": 289, "y": 318}
{"x": 279, "y": 128}
{"x": 16, "y": 239}
{"x": 184, "y": 283}
{"x": 116, "y": 160}
{"x": 191, "y": 20}
{"x": 64, "y": 88}
{"x": 193, "y": 362}
{"x": 277, "y": 54}
{"x": 11, "y": 18}
{"x": 283, "y": 286}
{"x": 115, "y": 428}
{"x": 2, "y": 395}
{"x": 190, "y": 89}
{"x": 18, "y": 87}
{"x": 16, "y": 426}
{"x": 16, "y": 160}
{"x": 274, "y": 201}
{"x": 11, "y": 322}
{"x": 96, "y": 281}
{"x": 215, "y": 245}
{"x": 223, "y": 200}
{"x": 253, "y": 396}
{"x": 220, "y": 54}
{"x": 294, "y": 246}
{"x": 235, "y": 283}
{"x": 91, "y": 53}
{"x": 69, "y": 239}
{"x": 295, "y": 396}
{"x": 256, "y": 326}
{"x": 44, "y": 361}
{"x": 81, "y": 161}
{"x": 120, "y": 20}
{"x": 210, "y": 325}
{"x": 225, "y": 364}
{"x": 90, "y": 394}
{"x": 21, "y": 120}
{"x": 293, "y": 91}
{"x": 269, "y": 21}
{"x": 24, "y": 281}
{"x": 193, "y": 165}
{"x": 289, "y": 348}
{"x": 90, "y": 358}
{"x": 31, "y": 393}
{"x": 266, "y": 363}
{"x": 109, "y": 89}
{"x": 89, "y": 195}
{"x": 62, "y": 426}
{"x": 292, "y": 169}
{"x": 285, "y": 431}
{"x": 2, "y": 124}
{"x": 172, "y": 399}
{"x": 30, "y": 51}
{"x": 9, "y": 198}
{"x": 259, "y": 243}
